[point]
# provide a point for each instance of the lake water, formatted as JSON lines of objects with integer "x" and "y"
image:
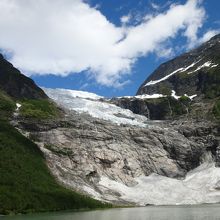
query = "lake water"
{"x": 201, "y": 212}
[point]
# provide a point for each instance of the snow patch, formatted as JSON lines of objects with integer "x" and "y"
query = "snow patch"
{"x": 190, "y": 66}
{"x": 183, "y": 69}
{"x": 88, "y": 103}
{"x": 153, "y": 82}
{"x": 173, "y": 94}
{"x": 192, "y": 96}
{"x": 207, "y": 64}
{"x": 18, "y": 106}
{"x": 155, "y": 96}
{"x": 214, "y": 65}
{"x": 199, "y": 186}
{"x": 145, "y": 96}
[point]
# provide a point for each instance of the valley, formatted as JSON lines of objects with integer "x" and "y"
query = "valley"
{"x": 66, "y": 149}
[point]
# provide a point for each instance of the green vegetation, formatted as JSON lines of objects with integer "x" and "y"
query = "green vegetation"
{"x": 167, "y": 107}
{"x": 7, "y": 105}
{"x": 54, "y": 149}
{"x": 38, "y": 109}
{"x": 165, "y": 90}
{"x": 184, "y": 99}
{"x": 26, "y": 184}
{"x": 212, "y": 76}
{"x": 178, "y": 107}
{"x": 184, "y": 75}
{"x": 212, "y": 85}
{"x": 216, "y": 109}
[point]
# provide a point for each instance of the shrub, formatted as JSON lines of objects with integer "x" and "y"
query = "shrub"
{"x": 7, "y": 105}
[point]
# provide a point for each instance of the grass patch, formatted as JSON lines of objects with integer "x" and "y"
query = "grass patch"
{"x": 7, "y": 105}
{"x": 38, "y": 109}
{"x": 59, "y": 151}
{"x": 184, "y": 99}
{"x": 26, "y": 184}
{"x": 164, "y": 89}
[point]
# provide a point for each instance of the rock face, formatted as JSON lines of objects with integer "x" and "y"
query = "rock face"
{"x": 166, "y": 108}
{"x": 16, "y": 85}
{"x": 189, "y": 84}
{"x": 196, "y": 72}
{"x": 91, "y": 155}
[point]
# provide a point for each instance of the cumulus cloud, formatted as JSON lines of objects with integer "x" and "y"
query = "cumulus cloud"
{"x": 66, "y": 36}
{"x": 209, "y": 34}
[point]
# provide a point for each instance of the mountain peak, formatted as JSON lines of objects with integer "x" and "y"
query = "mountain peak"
{"x": 194, "y": 72}
{"x": 217, "y": 36}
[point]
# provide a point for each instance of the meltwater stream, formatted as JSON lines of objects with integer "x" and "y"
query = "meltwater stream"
{"x": 201, "y": 212}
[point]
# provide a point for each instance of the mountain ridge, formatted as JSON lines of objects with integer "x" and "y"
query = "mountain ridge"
{"x": 187, "y": 86}
{"x": 189, "y": 62}
{"x": 17, "y": 85}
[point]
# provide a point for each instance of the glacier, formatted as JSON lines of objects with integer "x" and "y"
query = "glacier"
{"x": 92, "y": 104}
{"x": 200, "y": 185}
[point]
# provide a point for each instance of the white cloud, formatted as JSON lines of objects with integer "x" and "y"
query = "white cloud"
{"x": 155, "y": 6}
{"x": 126, "y": 19}
{"x": 64, "y": 36}
{"x": 209, "y": 34}
{"x": 164, "y": 52}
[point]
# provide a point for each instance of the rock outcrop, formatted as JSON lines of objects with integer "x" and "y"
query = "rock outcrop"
{"x": 17, "y": 85}
{"x": 195, "y": 72}
{"x": 83, "y": 152}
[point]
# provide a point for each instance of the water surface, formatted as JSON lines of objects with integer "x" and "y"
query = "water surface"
{"x": 201, "y": 212}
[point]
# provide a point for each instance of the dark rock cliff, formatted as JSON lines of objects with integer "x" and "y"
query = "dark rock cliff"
{"x": 17, "y": 85}
{"x": 199, "y": 73}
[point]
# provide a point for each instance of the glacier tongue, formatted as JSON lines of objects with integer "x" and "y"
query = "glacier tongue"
{"x": 85, "y": 102}
{"x": 200, "y": 186}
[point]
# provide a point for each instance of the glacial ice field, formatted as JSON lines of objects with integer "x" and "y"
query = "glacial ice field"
{"x": 85, "y": 102}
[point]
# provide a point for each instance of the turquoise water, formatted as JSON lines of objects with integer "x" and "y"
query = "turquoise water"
{"x": 201, "y": 212}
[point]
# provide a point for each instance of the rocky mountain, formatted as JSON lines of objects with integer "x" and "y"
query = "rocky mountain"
{"x": 17, "y": 85}
{"x": 193, "y": 73}
{"x": 127, "y": 163}
{"x": 188, "y": 86}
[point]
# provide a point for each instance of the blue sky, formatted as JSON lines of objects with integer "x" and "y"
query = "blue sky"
{"x": 108, "y": 47}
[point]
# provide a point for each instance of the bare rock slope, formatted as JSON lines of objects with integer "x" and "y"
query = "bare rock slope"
{"x": 127, "y": 164}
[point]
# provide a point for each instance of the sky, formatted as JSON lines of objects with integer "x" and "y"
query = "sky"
{"x": 108, "y": 47}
